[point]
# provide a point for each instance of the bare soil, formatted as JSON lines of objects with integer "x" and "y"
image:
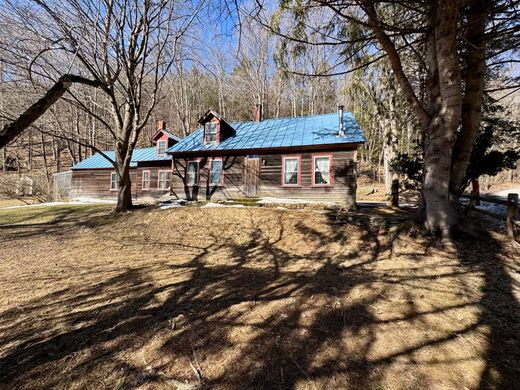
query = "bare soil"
{"x": 252, "y": 298}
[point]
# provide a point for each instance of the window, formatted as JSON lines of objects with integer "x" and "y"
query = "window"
{"x": 291, "y": 171}
{"x": 113, "y": 181}
{"x": 164, "y": 180}
{"x": 192, "y": 174}
{"x": 211, "y": 132}
{"x": 146, "y": 180}
{"x": 321, "y": 171}
{"x": 161, "y": 148}
{"x": 215, "y": 173}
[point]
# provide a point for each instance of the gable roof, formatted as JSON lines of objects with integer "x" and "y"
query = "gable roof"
{"x": 170, "y": 135}
{"x": 210, "y": 113}
{"x": 98, "y": 161}
{"x": 310, "y": 130}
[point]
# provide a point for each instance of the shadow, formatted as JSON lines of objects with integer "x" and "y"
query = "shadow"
{"x": 240, "y": 298}
{"x": 485, "y": 254}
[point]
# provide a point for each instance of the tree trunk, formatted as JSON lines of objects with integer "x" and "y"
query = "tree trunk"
{"x": 440, "y": 214}
{"x": 390, "y": 140}
{"x": 474, "y": 82}
{"x": 124, "y": 192}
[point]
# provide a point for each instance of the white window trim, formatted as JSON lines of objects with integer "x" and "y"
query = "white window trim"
{"x": 159, "y": 181}
{"x": 197, "y": 172}
{"x": 221, "y": 184}
{"x": 143, "y": 188}
{"x": 112, "y": 174}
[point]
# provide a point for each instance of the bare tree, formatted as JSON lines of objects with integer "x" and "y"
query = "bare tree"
{"x": 126, "y": 48}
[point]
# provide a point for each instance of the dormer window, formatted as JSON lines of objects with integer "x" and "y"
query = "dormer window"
{"x": 211, "y": 132}
{"x": 161, "y": 147}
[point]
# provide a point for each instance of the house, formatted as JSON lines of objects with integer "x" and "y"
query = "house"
{"x": 150, "y": 172}
{"x": 308, "y": 157}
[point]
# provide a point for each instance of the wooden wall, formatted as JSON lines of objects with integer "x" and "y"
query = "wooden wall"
{"x": 233, "y": 178}
{"x": 343, "y": 189}
{"x": 95, "y": 184}
{"x": 153, "y": 193}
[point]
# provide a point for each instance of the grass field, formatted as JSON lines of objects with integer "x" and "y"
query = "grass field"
{"x": 252, "y": 298}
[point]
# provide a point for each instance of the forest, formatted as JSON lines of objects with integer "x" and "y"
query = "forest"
{"x": 426, "y": 82}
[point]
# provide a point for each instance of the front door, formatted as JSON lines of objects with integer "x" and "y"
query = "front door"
{"x": 251, "y": 176}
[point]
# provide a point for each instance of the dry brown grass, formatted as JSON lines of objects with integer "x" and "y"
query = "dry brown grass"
{"x": 253, "y": 298}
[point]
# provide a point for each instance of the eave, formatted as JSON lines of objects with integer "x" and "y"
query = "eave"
{"x": 266, "y": 151}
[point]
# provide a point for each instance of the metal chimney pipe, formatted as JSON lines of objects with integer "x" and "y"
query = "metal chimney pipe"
{"x": 341, "y": 132}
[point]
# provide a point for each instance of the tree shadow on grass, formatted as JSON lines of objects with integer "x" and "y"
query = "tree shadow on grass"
{"x": 259, "y": 313}
{"x": 499, "y": 307}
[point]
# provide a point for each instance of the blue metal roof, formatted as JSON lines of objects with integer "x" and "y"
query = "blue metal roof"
{"x": 279, "y": 132}
{"x": 98, "y": 161}
{"x": 173, "y": 136}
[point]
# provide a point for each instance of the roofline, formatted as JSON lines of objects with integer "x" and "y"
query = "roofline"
{"x": 264, "y": 151}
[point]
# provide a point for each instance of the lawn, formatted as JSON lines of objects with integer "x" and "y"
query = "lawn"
{"x": 256, "y": 298}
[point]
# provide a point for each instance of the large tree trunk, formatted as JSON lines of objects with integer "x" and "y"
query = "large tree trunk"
{"x": 440, "y": 214}
{"x": 474, "y": 91}
{"x": 445, "y": 109}
{"x": 124, "y": 192}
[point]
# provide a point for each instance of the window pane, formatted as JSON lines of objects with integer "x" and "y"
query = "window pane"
{"x": 113, "y": 181}
{"x": 160, "y": 180}
{"x": 322, "y": 170}
{"x": 146, "y": 179}
{"x": 216, "y": 172}
{"x": 168, "y": 179}
{"x": 291, "y": 171}
{"x": 162, "y": 147}
{"x": 193, "y": 168}
{"x": 211, "y": 132}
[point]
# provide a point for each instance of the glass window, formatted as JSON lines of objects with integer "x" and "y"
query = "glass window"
{"x": 164, "y": 180}
{"x": 215, "y": 174}
{"x": 193, "y": 173}
{"x": 167, "y": 180}
{"x": 322, "y": 170}
{"x": 146, "y": 180}
{"x": 291, "y": 166}
{"x": 211, "y": 132}
{"x": 113, "y": 181}
{"x": 161, "y": 148}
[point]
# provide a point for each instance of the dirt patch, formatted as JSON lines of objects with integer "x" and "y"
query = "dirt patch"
{"x": 234, "y": 298}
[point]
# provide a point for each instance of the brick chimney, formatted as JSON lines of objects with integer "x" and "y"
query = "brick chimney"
{"x": 258, "y": 113}
{"x": 161, "y": 125}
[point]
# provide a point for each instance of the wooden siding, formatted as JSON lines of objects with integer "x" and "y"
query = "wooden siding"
{"x": 342, "y": 190}
{"x": 95, "y": 184}
{"x": 233, "y": 180}
{"x": 343, "y": 170}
